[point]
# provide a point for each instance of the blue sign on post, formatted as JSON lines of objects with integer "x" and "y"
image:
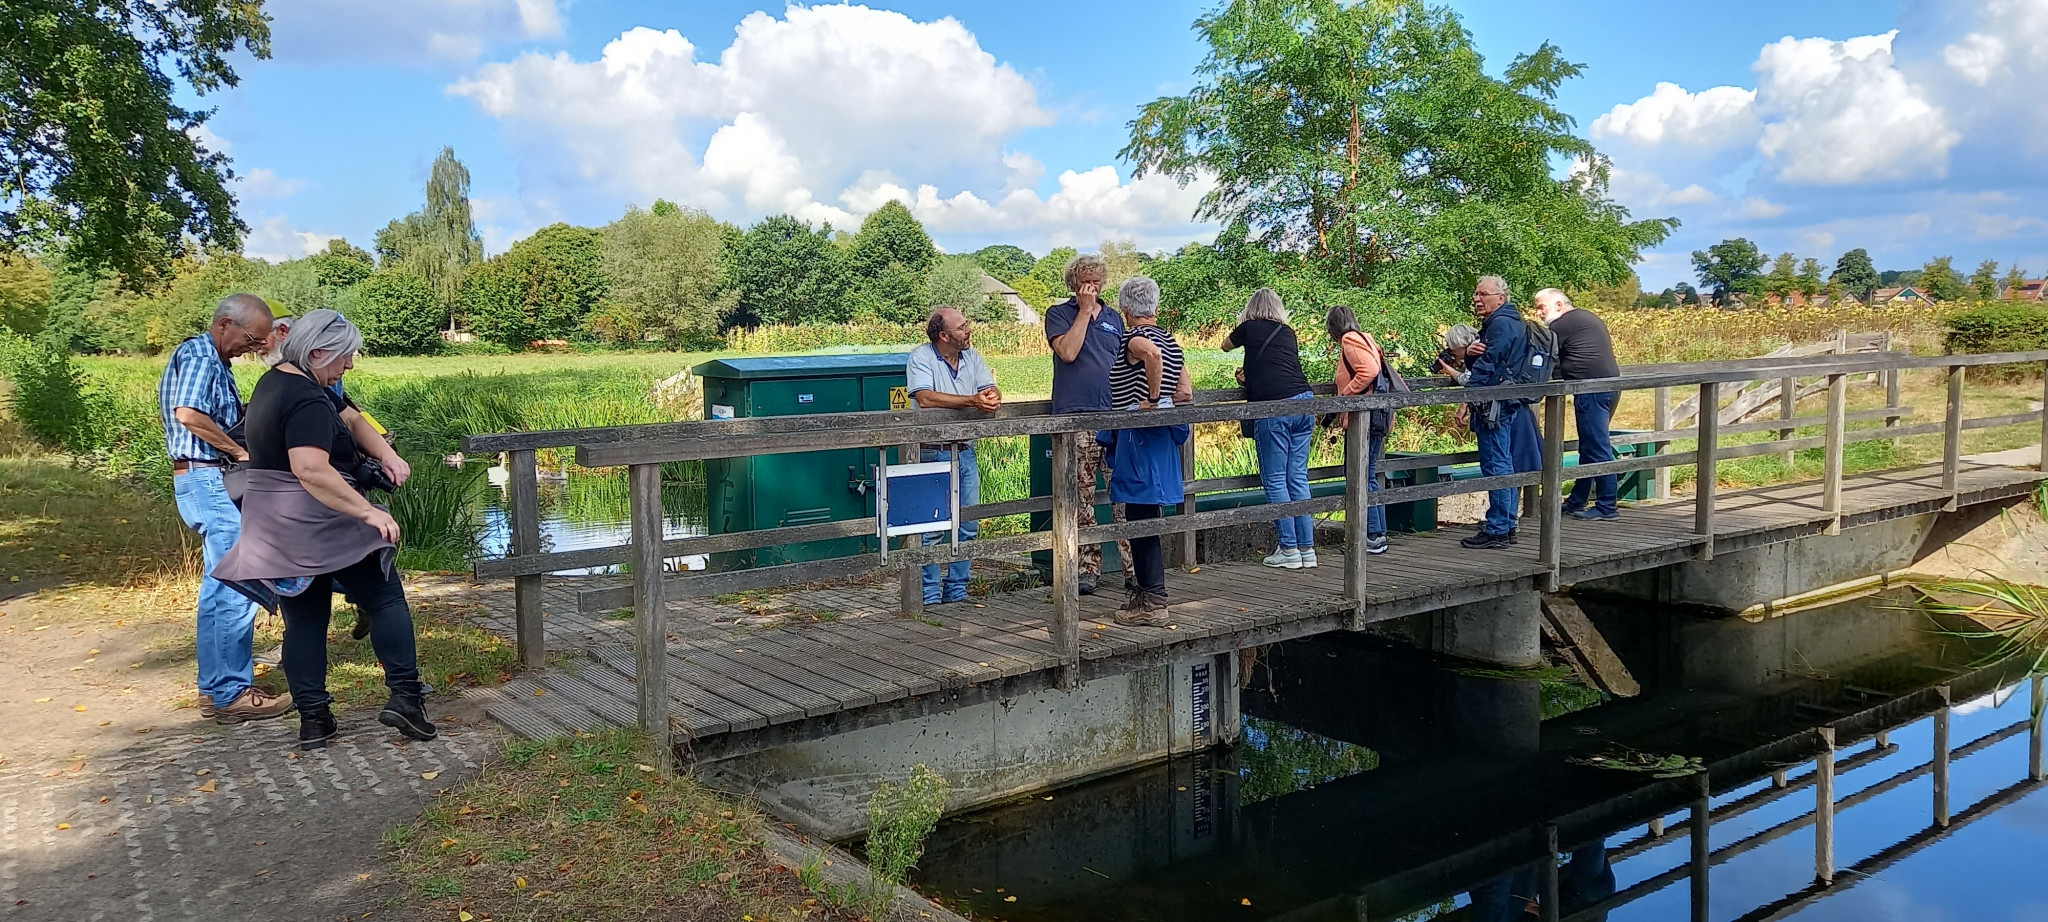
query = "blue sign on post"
{"x": 916, "y": 499}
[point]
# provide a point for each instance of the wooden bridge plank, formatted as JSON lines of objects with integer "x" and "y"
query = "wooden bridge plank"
{"x": 736, "y": 717}
{"x": 833, "y": 663}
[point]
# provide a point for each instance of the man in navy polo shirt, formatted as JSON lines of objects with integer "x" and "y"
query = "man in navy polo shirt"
{"x": 1086, "y": 337}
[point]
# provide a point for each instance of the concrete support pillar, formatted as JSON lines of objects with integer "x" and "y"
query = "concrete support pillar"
{"x": 1505, "y": 632}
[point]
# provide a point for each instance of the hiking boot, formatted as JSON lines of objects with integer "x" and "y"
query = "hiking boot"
{"x": 1286, "y": 558}
{"x": 1144, "y": 608}
{"x": 1594, "y": 514}
{"x": 1308, "y": 558}
{"x": 1485, "y": 542}
{"x": 408, "y": 715}
{"x": 253, "y": 704}
{"x": 1376, "y": 544}
{"x": 1089, "y": 581}
{"x": 206, "y": 707}
{"x": 316, "y": 727}
{"x": 362, "y": 628}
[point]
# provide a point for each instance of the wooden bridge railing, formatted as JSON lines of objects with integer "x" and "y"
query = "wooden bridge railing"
{"x": 643, "y": 449}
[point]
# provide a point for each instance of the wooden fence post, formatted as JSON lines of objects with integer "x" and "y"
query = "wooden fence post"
{"x": 650, "y": 629}
{"x": 526, "y": 590}
{"x": 1550, "y": 534}
{"x": 1549, "y": 901}
{"x": 2044, "y": 419}
{"x": 1788, "y": 407}
{"x": 1066, "y": 557}
{"x": 1891, "y": 388}
{"x": 1189, "y": 548}
{"x": 1940, "y": 761}
{"x": 1952, "y": 437}
{"x": 1700, "y": 834}
{"x": 1705, "y": 470}
{"x": 1831, "y": 462}
{"x": 2035, "y": 769}
{"x": 910, "y": 581}
{"x": 1660, "y": 418}
{"x": 1824, "y": 807}
{"x": 1357, "y": 452}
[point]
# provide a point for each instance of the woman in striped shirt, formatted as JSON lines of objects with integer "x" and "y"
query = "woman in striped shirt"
{"x": 1145, "y": 463}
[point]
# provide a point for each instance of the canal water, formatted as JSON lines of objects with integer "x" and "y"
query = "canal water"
{"x": 589, "y": 509}
{"x": 1374, "y": 783}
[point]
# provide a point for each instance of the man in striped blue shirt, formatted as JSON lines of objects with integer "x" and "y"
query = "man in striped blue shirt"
{"x": 198, "y": 403}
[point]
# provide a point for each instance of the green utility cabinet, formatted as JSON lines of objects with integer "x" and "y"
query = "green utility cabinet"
{"x": 773, "y": 491}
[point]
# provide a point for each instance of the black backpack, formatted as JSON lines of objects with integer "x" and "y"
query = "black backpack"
{"x": 1540, "y": 362}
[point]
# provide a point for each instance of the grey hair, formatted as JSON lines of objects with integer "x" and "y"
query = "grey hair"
{"x": 1264, "y": 305}
{"x": 241, "y": 308}
{"x": 1563, "y": 299}
{"x": 1138, "y": 296}
{"x": 1089, "y": 263}
{"x": 1461, "y": 336}
{"x": 1492, "y": 283}
{"x": 322, "y": 330}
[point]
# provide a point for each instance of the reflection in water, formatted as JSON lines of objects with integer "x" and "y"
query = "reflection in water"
{"x": 1372, "y": 784}
{"x": 591, "y": 509}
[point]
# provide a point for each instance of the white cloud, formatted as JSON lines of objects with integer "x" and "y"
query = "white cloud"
{"x": 274, "y": 238}
{"x": 1754, "y": 207}
{"x": 1715, "y": 117}
{"x": 1838, "y": 113}
{"x": 1643, "y": 192}
{"x": 207, "y": 139}
{"x": 2002, "y": 226}
{"x": 407, "y": 31}
{"x": 1819, "y": 241}
{"x": 824, "y": 113}
{"x": 264, "y": 183}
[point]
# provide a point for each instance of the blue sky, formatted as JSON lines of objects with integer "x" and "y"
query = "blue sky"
{"x": 1913, "y": 130}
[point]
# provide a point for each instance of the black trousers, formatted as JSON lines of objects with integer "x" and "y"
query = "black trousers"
{"x": 379, "y": 597}
{"x": 1148, "y": 557}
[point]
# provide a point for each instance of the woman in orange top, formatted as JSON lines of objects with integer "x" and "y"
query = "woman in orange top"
{"x": 1360, "y": 364}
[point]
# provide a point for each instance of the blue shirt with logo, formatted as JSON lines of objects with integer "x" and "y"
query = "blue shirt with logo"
{"x": 1082, "y": 385}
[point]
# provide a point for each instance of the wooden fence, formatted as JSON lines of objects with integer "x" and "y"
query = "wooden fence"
{"x": 643, "y": 449}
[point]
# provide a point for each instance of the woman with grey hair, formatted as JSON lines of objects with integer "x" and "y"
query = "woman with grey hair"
{"x": 1272, "y": 371}
{"x": 1458, "y": 341}
{"x": 1144, "y": 463}
{"x": 308, "y": 528}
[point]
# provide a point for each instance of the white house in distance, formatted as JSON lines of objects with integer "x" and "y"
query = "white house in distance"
{"x": 990, "y": 285}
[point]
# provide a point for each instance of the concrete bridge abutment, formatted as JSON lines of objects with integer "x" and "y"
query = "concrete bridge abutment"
{"x": 1746, "y": 580}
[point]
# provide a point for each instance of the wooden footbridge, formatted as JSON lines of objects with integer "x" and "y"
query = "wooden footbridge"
{"x": 718, "y": 690}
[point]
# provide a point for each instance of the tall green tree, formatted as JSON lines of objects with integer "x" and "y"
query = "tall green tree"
{"x": 1730, "y": 267}
{"x": 955, "y": 282}
{"x": 1004, "y": 261}
{"x": 888, "y": 262}
{"x": 666, "y": 270}
{"x": 1810, "y": 282}
{"x": 2014, "y": 278}
{"x": 24, "y": 293}
{"x": 439, "y": 242}
{"x": 1855, "y": 273}
{"x": 97, "y": 153}
{"x": 541, "y": 288}
{"x": 786, "y": 272}
{"x": 1984, "y": 281}
{"x": 395, "y": 310}
{"x": 341, "y": 265}
{"x": 1051, "y": 274}
{"x": 1783, "y": 279}
{"x": 1938, "y": 280}
{"x": 1368, "y": 135}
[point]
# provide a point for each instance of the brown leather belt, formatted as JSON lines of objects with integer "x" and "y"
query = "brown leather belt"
{"x": 180, "y": 467}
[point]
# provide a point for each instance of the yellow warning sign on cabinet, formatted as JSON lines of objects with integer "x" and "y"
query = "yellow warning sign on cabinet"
{"x": 899, "y": 398}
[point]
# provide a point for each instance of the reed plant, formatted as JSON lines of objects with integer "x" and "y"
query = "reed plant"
{"x": 436, "y": 510}
{"x": 2011, "y": 617}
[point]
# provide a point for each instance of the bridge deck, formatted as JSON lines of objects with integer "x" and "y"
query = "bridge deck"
{"x": 736, "y": 688}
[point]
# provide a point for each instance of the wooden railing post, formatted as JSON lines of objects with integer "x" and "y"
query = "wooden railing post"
{"x": 1549, "y": 898}
{"x": 1831, "y": 462}
{"x": 1706, "y": 471}
{"x": 1788, "y": 408}
{"x": 2044, "y": 419}
{"x": 2039, "y": 701}
{"x": 1066, "y": 558}
{"x": 1701, "y": 834}
{"x": 1357, "y": 452}
{"x": 1551, "y": 519}
{"x": 910, "y": 581}
{"x": 1952, "y": 436}
{"x": 1824, "y": 807}
{"x": 526, "y": 590}
{"x": 650, "y": 610}
{"x": 1940, "y": 761}
{"x": 1189, "y": 548}
{"x": 1660, "y": 417}
{"x": 1891, "y": 388}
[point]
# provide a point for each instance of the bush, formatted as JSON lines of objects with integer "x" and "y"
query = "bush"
{"x": 55, "y": 402}
{"x": 1998, "y": 327}
{"x": 397, "y": 312}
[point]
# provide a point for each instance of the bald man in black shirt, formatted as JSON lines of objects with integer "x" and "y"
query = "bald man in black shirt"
{"x": 1584, "y": 350}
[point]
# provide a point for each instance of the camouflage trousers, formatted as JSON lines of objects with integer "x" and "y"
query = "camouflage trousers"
{"x": 1086, "y": 465}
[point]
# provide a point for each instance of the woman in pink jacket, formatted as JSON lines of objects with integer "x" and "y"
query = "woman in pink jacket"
{"x": 1361, "y": 369}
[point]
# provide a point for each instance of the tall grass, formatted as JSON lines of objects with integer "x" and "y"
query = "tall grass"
{"x": 436, "y": 510}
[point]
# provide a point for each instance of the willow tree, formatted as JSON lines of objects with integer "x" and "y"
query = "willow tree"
{"x": 439, "y": 242}
{"x": 1367, "y": 138}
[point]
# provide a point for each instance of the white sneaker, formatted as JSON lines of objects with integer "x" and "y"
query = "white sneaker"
{"x": 1286, "y": 558}
{"x": 1308, "y": 558}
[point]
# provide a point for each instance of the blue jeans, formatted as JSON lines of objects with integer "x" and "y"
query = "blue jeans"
{"x": 1594, "y": 411}
{"x": 1282, "y": 443}
{"x": 227, "y": 619}
{"x": 1375, "y": 516}
{"x": 1496, "y": 458}
{"x": 955, "y": 588}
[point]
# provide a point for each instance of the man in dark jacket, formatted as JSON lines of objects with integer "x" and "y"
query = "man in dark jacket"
{"x": 1505, "y": 343}
{"x": 1585, "y": 351}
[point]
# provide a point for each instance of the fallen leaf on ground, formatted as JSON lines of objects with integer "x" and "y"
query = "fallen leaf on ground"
{"x": 363, "y": 876}
{"x": 203, "y": 772}
{"x": 207, "y": 788}
{"x": 430, "y": 775}
{"x": 42, "y": 701}
{"x": 1009, "y": 899}
{"x": 63, "y": 825}
{"x": 519, "y": 882}
{"x": 465, "y": 916}
{"x": 1247, "y": 901}
{"x": 539, "y": 692}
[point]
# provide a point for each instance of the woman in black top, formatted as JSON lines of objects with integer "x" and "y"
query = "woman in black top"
{"x": 1272, "y": 371}
{"x": 308, "y": 528}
